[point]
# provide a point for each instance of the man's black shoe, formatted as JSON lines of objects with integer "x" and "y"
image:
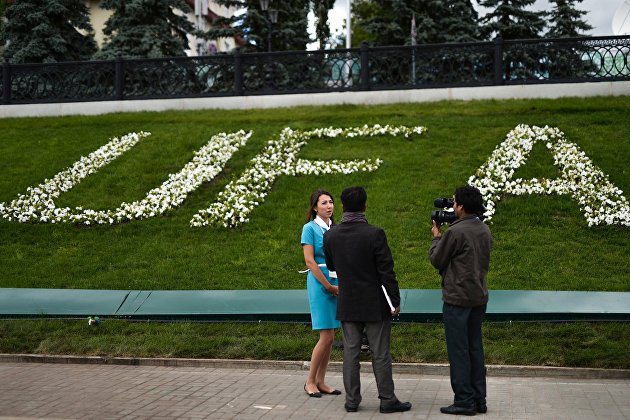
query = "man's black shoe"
{"x": 395, "y": 407}
{"x": 481, "y": 406}
{"x": 350, "y": 408}
{"x": 460, "y": 411}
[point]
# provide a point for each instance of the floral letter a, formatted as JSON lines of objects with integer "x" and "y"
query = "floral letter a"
{"x": 598, "y": 198}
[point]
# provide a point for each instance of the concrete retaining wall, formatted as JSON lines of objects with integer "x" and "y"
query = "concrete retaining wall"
{"x": 547, "y": 91}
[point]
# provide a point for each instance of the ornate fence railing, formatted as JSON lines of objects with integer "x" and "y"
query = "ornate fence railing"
{"x": 495, "y": 62}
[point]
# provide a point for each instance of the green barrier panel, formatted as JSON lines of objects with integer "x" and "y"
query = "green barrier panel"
{"x": 133, "y": 302}
{"x": 292, "y": 305}
{"x": 55, "y": 302}
{"x": 250, "y": 305}
{"x": 520, "y": 305}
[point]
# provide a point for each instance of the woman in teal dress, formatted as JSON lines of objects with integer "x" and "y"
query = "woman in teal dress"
{"x": 322, "y": 291}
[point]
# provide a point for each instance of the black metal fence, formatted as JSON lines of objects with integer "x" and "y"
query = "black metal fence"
{"x": 495, "y": 62}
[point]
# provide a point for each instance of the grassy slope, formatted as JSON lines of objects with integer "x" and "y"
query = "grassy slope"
{"x": 602, "y": 345}
{"x": 540, "y": 242}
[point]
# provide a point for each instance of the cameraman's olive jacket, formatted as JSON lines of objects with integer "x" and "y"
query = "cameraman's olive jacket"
{"x": 462, "y": 255}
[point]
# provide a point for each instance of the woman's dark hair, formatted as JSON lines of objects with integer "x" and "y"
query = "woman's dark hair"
{"x": 310, "y": 214}
{"x": 354, "y": 199}
{"x": 469, "y": 197}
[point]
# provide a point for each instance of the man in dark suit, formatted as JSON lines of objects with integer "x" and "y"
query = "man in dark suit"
{"x": 359, "y": 253}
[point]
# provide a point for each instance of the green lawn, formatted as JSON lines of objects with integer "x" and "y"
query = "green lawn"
{"x": 540, "y": 242}
{"x": 595, "y": 345}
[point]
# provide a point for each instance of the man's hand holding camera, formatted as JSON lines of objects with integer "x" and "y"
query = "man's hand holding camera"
{"x": 435, "y": 230}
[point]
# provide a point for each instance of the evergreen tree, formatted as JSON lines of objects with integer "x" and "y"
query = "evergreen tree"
{"x": 322, "y": 29}
{"x": 363, "y": 12}
{"x": 290, "y": 32}
{"x": 388, "y": 22}
{"x": 2, "y": 7}
{"x": 566, "y": 21}
{"x": 44, "y": 31}
{"x": 461, "y": 22}
{"x": 146, "y": 29}
{"x": 510, "y": 20}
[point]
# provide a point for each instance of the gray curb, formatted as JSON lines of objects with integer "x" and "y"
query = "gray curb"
{"x": 409, "y": 368}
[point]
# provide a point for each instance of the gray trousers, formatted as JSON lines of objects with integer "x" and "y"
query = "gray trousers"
{"x": 378, "y": 334}
{"x": 465, "y": 352}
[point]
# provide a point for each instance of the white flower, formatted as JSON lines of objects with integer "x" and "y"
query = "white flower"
{"x": 38, "y": 201}
{"x": 597, "y": 197}
{"x": 240, "y": 197}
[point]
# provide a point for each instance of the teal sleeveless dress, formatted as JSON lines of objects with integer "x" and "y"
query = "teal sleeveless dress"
{"x": 323, "y": 305}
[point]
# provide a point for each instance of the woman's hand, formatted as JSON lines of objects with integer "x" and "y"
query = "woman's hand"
{"x": 333, "y": 290}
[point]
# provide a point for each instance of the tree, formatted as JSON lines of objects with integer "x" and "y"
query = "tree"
{"x": 566, "y": 21}
{"x": 509, "y": 19}
{"x": 322, "y": 29}
{"x": 146, "y": 29}
{"x": 460, "y": 22}
{"x": 2, "y": 7}
{"x": 44, "y": 31}
{"x": 388, "y": 22}
{"x": 289, "y": 33}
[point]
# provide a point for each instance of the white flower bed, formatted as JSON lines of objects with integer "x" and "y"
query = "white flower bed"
{"x": 205, "y": 165}
{"x": 599, "y": 199}
{"x": 37, "y": 204}
{"x": 240, "y": 197}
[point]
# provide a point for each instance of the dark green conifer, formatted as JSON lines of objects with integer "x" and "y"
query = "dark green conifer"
{"x": 566, "y": 21}
{"x": 146, "y": 29}
{"x": 44, "y": 31}
{"x": 509, "y": 19}
{"x": 251, "y": 27}
{"x": 322, "y": 28}
{"x": 388, "y": 22}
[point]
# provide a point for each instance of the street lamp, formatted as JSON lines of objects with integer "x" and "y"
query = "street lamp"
{"x": 272, "y": 17}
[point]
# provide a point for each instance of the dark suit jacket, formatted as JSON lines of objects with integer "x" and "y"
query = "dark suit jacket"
{"x": 359, "y": 253}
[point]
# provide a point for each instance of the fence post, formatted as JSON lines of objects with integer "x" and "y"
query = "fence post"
{"x": 6, "y": 83}
{"x": 238, "y": 72}
{"x": 119, "y": 79}
{"x": 365, "y": 64}
{"x": 498, "y": 60}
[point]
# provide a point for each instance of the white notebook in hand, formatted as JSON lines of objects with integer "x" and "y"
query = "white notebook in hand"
{"x": 389, "y": 301}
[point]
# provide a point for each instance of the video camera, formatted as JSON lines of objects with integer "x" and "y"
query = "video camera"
{"x": 443, "y": 216}
{"x": 448, "y": 216}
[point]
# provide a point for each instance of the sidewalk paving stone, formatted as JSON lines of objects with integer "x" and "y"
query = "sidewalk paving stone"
{"x": 108, "y": 391}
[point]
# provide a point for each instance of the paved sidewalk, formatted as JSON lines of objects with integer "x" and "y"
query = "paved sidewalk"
{"x": 69, "y": 391}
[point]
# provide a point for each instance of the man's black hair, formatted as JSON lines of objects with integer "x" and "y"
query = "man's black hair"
{"x": 469, "y": 197}
{"x": 353, "y": 199}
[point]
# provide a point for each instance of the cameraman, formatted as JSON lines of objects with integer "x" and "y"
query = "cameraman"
{"x": 462, "y": 255}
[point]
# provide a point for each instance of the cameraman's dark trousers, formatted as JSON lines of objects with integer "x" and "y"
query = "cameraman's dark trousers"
{"x": 464, "y": 345}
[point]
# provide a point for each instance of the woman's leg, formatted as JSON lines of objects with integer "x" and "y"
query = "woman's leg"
{"x": 319, "y": 360}
{"x": 327, "y": 337}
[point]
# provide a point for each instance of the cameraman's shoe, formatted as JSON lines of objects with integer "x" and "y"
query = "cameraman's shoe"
{"x": 481, "y": 406}
{"x": 460, "y": 410}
